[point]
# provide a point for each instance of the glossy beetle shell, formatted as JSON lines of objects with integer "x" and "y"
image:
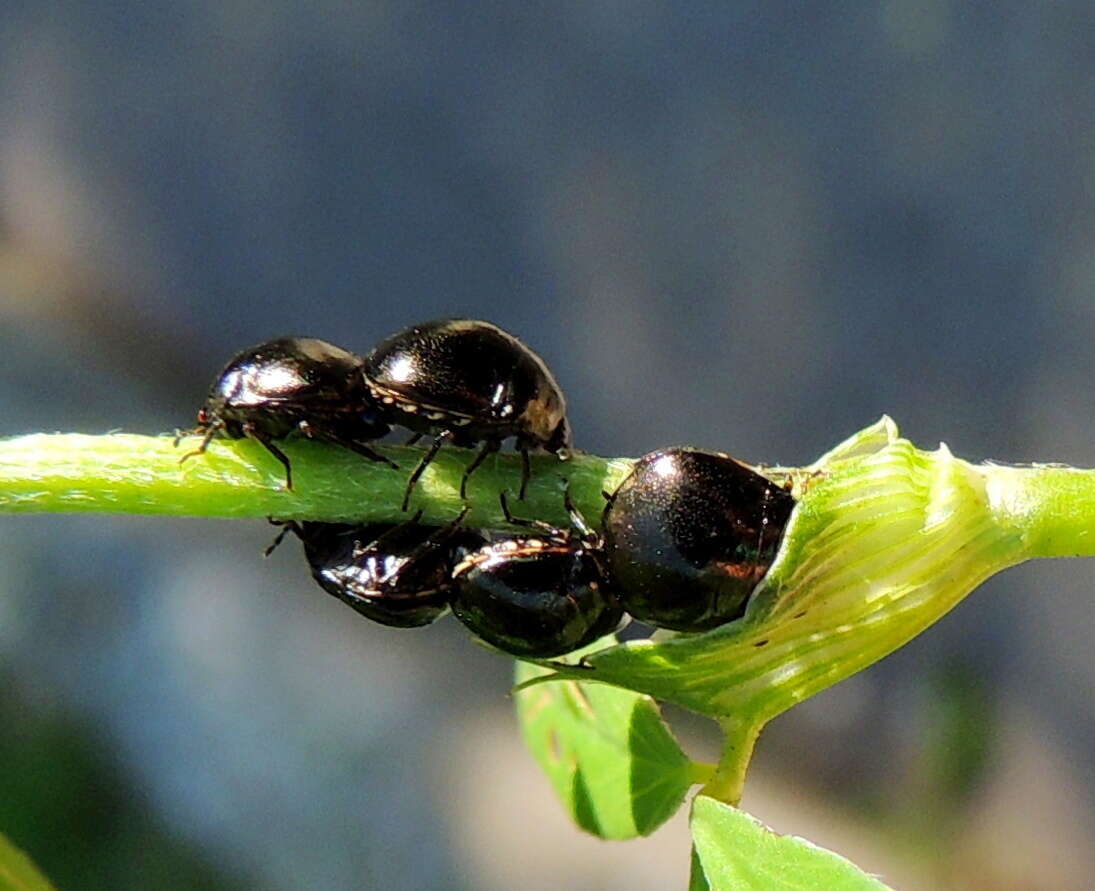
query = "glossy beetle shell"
{"x": 471, "y": 377}
{"x": 534, "y": 598}
{"x": 383, "y": 572}
{"x": 277, "y": 384}
{"x": 292, "y": 385}
{"x": 688, "y": 535}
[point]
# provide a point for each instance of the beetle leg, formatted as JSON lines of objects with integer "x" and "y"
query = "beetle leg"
{"x": 287, "y": 526}
{"x": 307, "y": 429}
{"x": 210, "y": 432}
{"x": 268, "y": 444}
{"x": 438, "y": 441}
{"x": 526, "y": 470}
{"x": 436, "y": 540}
{"x": 445, "y": 531}
{"x": 360, "y": 448}
{"x": 414, "y": 438}
{"x": 553, "y": 531}
{"x": 489, "y": 448}
{"x": 379, "y": 543}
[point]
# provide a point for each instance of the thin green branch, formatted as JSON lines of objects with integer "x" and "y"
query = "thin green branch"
{"x": 125, "y": 473}
{"x": 740, "y": 735}
{"x": 1052, "y": 506}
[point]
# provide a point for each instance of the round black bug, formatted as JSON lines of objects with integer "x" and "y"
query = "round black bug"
{"x": 466, "y": 382}
{"x": 688, "y": 535}
{"x": 293, "y": 385}
{"x": 397, "y": 575}
{"x": 537, "y": 596}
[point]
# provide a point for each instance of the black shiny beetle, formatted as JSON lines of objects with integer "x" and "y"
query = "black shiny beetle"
{"x": 397, "y": 575}
{"x": 466, "y": 382}
{"x": 293, "y": 385}
{"x": 688, "y": 535}
{"x": 537, "y": 596}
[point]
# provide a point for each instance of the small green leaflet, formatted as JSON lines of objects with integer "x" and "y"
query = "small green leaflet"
{"x": 734, "y": 851}
{"x": 611, "y": 758}
{"x": 17, "y": 872}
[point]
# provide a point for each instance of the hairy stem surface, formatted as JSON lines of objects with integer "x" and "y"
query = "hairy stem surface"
{"x": 124, "y": 473}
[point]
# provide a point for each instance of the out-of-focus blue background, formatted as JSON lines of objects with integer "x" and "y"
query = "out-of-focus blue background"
{"x": 748, "y": 226}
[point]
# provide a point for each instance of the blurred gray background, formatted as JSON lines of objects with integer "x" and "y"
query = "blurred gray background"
{"x": 747, "y": 226}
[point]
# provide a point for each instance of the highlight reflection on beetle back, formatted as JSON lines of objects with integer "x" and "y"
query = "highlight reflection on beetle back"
{"x": 689, "y": 534}
{"x": 468, "y": 369}
{"x": 295, "y": 370}
{"x": 292, "y": 385}
{"x": 534, "y": 598}
{"x": 466, "y": 381}
{"x": 397, "y": 575}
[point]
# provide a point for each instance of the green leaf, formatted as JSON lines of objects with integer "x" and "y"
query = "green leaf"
{"x": 611, "y": 758}
{"x": 736, "y": 852}
{"x": 17, "y": 871}
{"x": 697, "y": 881}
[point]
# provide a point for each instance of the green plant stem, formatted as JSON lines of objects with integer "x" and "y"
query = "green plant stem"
{"x": 740, "y": 735}
{"x": 702, "y": 772}
{"x": 1052, "y": 507}
{"x": 125, "y": 473}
